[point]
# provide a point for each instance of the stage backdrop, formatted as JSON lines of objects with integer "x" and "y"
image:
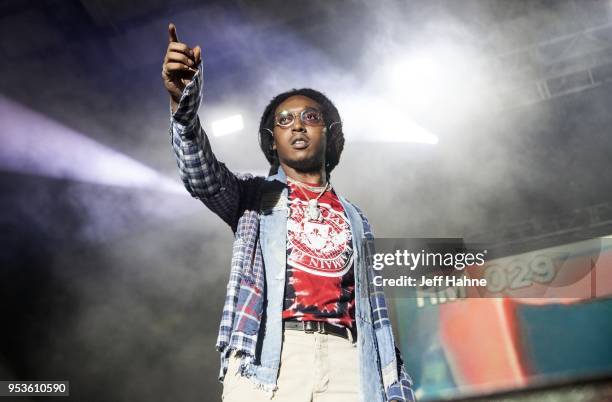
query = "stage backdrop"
{"x": 455, "y": 344}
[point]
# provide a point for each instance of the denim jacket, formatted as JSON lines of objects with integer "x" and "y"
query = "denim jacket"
{"x": 256, "y": 208}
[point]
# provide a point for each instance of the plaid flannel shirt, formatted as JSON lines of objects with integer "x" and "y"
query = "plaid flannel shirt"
{"x": 235, "y": 198}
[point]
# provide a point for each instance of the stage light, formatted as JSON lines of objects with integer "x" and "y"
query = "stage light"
{"x": 444, "y": 80}
{"x": 35, "y": 144}
{"x": 226, "y": 126}
{"x": 417, "y": 81}
{"x": 377, "y": 120}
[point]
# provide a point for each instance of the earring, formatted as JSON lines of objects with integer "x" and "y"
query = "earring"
{"x": 331, "y": 125}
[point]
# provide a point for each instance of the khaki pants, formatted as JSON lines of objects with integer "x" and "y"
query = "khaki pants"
{"x": 314, "y": 368}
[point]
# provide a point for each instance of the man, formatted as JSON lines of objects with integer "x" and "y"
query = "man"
{"x": 302, "y": 320}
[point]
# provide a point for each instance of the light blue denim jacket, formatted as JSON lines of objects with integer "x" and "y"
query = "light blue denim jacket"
{"x": 373, "y": 363}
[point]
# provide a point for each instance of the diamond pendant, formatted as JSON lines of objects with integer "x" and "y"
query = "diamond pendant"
{"x": 313, "y": 212}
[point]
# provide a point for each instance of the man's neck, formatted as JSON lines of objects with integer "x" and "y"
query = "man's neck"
{"x": 315, "y": 177}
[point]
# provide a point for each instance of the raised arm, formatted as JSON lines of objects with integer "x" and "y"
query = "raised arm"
{"x": 203, "y": 175}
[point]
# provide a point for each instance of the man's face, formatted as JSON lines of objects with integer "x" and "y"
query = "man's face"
{"x": 300, "y": 146}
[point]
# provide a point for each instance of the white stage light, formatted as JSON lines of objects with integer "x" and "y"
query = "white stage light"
{"x": 418, "y": 81}
{"x": 446, "y": 80}
{"x": 227, "y": 126}
{"x": 33, "y": 143}
{"x": 380, "y": 121}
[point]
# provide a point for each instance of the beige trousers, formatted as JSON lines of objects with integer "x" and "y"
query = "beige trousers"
{"x": 314, "y": 368}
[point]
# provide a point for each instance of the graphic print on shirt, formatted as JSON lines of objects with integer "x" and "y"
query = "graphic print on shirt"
{"x": 320, "y": 281}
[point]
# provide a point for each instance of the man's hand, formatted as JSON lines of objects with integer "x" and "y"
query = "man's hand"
{"x": 179, "y": 67}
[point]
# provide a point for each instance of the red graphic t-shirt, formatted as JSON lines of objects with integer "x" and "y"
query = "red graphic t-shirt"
{"x": 320, "y": 283}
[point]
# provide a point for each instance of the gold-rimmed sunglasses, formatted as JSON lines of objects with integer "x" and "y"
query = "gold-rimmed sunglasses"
{"x": 309, "y": 116}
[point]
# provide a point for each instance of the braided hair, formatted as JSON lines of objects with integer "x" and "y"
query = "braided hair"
{"x": 331, "y": 117}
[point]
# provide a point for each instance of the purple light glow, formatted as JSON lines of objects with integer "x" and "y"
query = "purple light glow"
{"x": 33, "y": 143}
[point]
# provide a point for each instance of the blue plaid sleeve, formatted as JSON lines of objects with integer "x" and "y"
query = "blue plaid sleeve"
{"x": 402, "y": 389}
{"x": 204, "y": 177}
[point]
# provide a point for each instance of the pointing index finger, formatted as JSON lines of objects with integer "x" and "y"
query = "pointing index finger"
{"x": 172, "y": 37}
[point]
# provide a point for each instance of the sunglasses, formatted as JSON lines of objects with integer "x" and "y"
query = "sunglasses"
{"x": 308, "y": 116}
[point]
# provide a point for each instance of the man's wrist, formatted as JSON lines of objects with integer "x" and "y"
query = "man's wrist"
{"x": 186, "y": 109}
{"x": 173, "y": 105}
